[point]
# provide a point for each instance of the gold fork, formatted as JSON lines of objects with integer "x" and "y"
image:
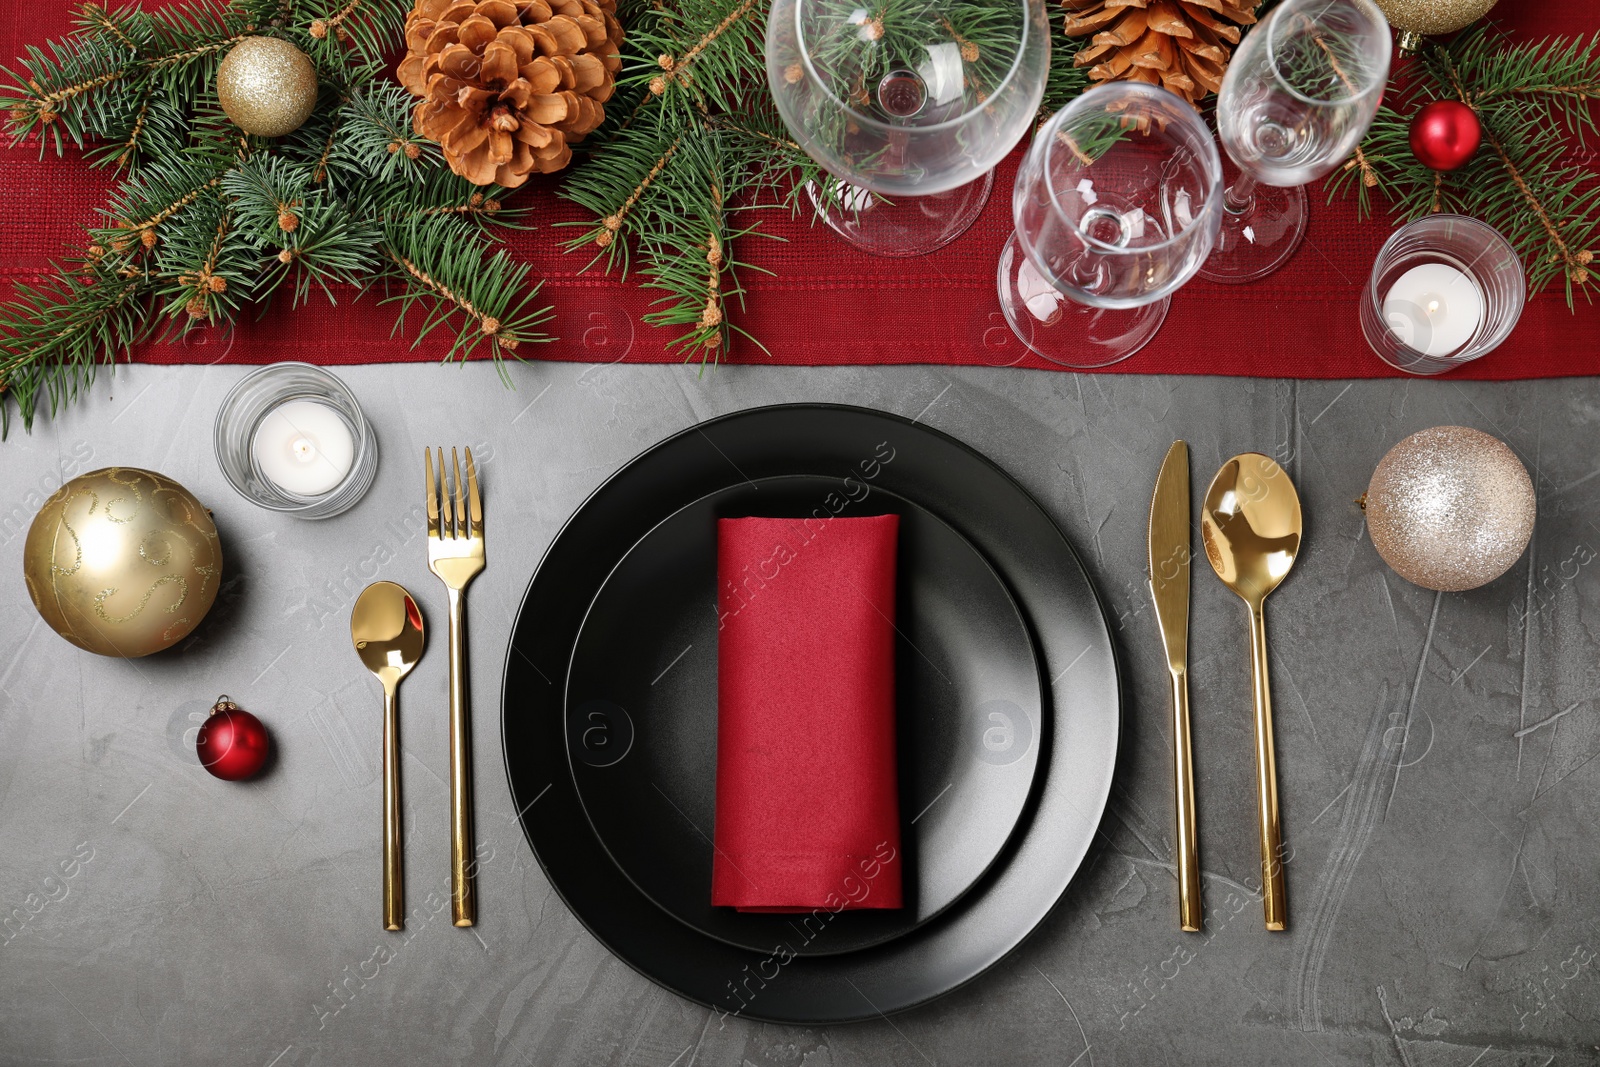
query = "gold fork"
{"x": 455, "y": 554}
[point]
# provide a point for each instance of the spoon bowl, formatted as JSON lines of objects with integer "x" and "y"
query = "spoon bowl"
{"x": 1251, "y": 526}
{"x": 386, "y": 628}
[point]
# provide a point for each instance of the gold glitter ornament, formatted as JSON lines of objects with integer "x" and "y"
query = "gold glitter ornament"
{"x": 267, "y": 86}
{"x": 1416, "y": 19}
{"x": 122, "y": 562}
{"x": 1450, "y": 508}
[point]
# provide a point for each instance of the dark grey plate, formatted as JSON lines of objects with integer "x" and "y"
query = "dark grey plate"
{"x": 968, "y": 711}
{"x": 1077, "y": 750}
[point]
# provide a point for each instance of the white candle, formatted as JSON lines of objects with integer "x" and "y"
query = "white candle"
{"x": 304, "y": 447}
{"x": 1434, "y": 308}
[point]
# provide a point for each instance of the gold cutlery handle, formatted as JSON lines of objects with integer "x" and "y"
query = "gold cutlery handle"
{"x": 1274, "y": 899}
{"x": 1183, "y": 781}
{"x": 394, "y": 884}
{"x": 463, "y": 892}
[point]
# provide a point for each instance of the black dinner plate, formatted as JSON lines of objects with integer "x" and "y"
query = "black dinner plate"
{"x": 642, "y": 713}
{"x": 1077, "y": 750}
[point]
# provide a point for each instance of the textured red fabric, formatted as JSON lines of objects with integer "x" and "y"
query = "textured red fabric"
{"x": 826, "y": 303}
{"x": 807, "y": 802}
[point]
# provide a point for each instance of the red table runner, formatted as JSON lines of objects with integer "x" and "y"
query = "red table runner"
{"x": 826, "y": 303}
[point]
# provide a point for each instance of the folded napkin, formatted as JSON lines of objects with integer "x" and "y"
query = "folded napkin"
{"x": 807, "y": 805}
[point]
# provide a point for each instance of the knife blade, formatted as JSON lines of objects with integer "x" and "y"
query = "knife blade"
{"x": 1170, "y": 536}
{"x": 1169, "y": 556}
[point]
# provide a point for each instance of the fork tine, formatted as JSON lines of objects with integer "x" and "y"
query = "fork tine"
{"x": 433, "y": 495}
{"x": 447, "y": 517}
{"x": 472, "y": 495}
{"x": 462, "y": 530}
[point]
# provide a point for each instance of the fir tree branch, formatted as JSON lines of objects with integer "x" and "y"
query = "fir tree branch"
{"x": 1526, "y": 98}
{"x": 1576, "y": 270}
{"x": 679, "y": 70}
{"x": 95, "y": 18}
{"x": 54, "y": 335}
{"x": 443, "y": 267}
{"x": 57, "y": 93}
{"x": 613, "y": 222}
{"x": 203, "y": 275}
{"x": 364, "y": 27}
{"x": 320, "y": 28}
{"x": 377, "y": 141}
{"x": 125, "y": 153}
{"x": 205, "y": 221}
{"x": 187, "y": 57}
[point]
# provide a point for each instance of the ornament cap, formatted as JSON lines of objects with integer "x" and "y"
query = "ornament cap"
{"x": 1408, "y": 42}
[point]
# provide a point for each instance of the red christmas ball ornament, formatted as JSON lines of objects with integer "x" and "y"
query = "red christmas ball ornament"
{"x": 1445, "y": 134}
{"x": 232, "y": 743}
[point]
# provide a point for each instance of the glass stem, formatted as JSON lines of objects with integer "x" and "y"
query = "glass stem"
{"x": 1239, "y": 197}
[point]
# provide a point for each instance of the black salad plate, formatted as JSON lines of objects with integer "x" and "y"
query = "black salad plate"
{"x": 1076, "y": 748}
{"x": 642, "y": 712}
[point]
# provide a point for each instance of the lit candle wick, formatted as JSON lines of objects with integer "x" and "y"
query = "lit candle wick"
{"x": 1434, "y": 309}
{"x": 304, "y": 447}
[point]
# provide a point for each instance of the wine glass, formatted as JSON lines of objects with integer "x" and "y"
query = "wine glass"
{"x": 1116, "y": 205}
{"x": 1299, "y": 93}
{"x": 908, "y": 106}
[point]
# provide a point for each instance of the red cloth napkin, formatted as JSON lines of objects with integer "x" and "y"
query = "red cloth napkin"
{"x": 808, "y": 815}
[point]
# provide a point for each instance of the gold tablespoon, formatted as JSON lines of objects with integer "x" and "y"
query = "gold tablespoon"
{"x": 1251, "y": 526}
{"x": 387, "y": 630}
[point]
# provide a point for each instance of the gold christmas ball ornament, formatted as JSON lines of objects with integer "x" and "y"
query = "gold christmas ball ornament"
{"x": 1450, "y": 508}
{"x": 267, "y": 86}
{"x": 1416, "y": 19}
{"x": 122, "y": 562}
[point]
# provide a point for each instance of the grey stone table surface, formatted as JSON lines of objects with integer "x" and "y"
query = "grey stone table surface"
{"x": 1441, "y": 791}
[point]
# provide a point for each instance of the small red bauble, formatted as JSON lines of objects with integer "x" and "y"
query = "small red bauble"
{"x": 232, "y": 743}
{"x": 1445, "y": 134}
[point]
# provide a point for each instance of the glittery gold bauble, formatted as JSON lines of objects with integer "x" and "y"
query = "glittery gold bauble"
{"x": 122, "y": 562}
{"x": 268, "y": 87}
{"x": 1450, "y": 508}
{"x": 1428, "y": 17}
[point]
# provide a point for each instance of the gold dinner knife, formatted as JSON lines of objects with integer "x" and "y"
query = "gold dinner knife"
{"x": 1169, "y": 586}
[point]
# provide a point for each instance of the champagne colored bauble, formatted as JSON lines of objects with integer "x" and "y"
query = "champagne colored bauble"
{"x": 1450, "y": 508}
{"x": 122, "y": 562}
{"x": 1428, "y": 17}
{"x": 268, "y": 87}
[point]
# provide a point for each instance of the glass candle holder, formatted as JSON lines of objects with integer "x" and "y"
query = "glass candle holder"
{"x": 1444, "y": 291}
{"x": 290, "y": 437}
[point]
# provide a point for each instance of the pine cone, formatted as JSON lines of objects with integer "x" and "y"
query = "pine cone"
{"x": 507, "y": 86}
{"x": 1181, "y": 45}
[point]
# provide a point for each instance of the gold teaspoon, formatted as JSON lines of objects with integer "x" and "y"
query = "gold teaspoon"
{"x": 387, "y": 630}
{"x": 1251, "y": 526}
